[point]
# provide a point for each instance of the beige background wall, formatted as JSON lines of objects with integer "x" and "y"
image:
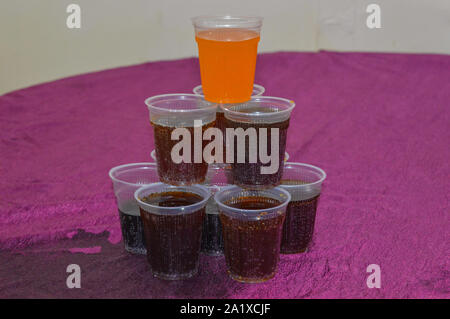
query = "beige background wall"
{"x": 36, "y": 45}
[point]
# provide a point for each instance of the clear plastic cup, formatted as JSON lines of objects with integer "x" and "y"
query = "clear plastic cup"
{"x": 227, "y": 50}
{"x": 304, "y": 183}
{"x": 173, "y": 228}
{"x": 212, "y": 240}
{"x": 220, "y": 119}
{"x": 252, "y": 222}
{"x": 169, "y": 112}
{"x": 126, "y": 180}
{"x": 258, "y": 114}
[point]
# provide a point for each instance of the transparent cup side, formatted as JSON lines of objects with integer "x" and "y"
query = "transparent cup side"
{"x": 180, "y": 110}
{"x": 211, "y": 22}
{"x": 302, "y": 181}
{"x": 259, "y": 109}
{"x": 127, "y": 179}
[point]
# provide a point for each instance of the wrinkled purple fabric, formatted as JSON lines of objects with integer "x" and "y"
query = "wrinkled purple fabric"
{"x": 378, "y": 124}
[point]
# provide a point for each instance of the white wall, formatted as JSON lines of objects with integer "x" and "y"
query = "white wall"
{"x": 36, "y": 45}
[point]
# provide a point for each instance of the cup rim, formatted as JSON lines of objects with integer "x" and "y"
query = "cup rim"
{"x": 315, "y": 168}
{"x": 172, "y": 96}
{"x": 220, "y": 165}
{"x": 252, "y": 21}
{"x": 168, "y": 209}
{"x": 113, "y": 170}
{"x": 226, "y": 108}
{"x": 251, "y": 211}
{"x": 260, "y": 88}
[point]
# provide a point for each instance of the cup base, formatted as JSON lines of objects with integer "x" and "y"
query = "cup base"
{"x": 165, "y": 276}
{"x": 248, "y": 280}
{"x": 136, "y": 250}
{"x": 291, "y": 252}
{"x": 212, "y": 253}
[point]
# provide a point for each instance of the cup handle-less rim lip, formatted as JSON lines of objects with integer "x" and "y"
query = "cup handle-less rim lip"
{"x": 261, "y": 89}
{"x": 200, "y": 204}
{"x": 113, "y": 170}
{"x": 249, "y": 22}
{"x": 209, "y": 106}
{"x": 219, "y": 165}
{"x": 251, "y": 212}
{"x": 315, "y": 168}
{"x": 226, "y": 108}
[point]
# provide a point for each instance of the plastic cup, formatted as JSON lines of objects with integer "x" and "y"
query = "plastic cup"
{"x": 126, "y": 180}
{"x": 212, "y": 240}
{"x": 252, "y": 236}
{"x": 172, "y": 233}
{"x": 220, "y": 119}
{"x": 227, "y": 50}
{"x": 169, "y": 112}
{"x": 258, "y": 114}
{"x": 304, "y": 183}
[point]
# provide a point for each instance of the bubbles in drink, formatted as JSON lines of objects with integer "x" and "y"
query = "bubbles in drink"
{"x": 173, "y": 240}
{"x": 178, "y": 173}
{"x": 212, "y": 240}
{"x": 298, "y": 227}
{"x": 132, "y": 229}
{"x": 249, "y": 174}
{"x": 252, "y": 245}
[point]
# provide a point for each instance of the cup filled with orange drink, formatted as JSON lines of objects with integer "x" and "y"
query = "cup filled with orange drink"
{"x": 227, "y": 49}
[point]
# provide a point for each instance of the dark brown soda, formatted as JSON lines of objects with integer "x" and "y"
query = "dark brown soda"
{"x": 173, "y": 241}
{"x": 132, "y": 232}
{"x": 298, "y": 227}
{"x": 249, "y": 174}
{"x": 220, "y": 121}
{"x": 212, "y": 240}
{"x": 252, "y": 246}
{"x": 182, "y": 173}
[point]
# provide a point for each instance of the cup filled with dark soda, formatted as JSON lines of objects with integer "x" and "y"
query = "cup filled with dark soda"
{"x": 169, "y": 112}
{"x": 172, "y": 217}
{"x": 252, "y": 222}
{"x": 265, "y": 122}
{"x": 304, "y": 183}
{"x": 126, "y": 180}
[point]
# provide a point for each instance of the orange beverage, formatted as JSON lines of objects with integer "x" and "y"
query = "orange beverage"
{"x": 227, "y": 49}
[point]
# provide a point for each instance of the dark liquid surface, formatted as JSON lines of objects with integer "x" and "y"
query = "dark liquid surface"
{"x": 173, "y": 241}
{"x": 249, "y": 174}
{"x": 182, "y": 173}
{"x": 252, "y": 246}
{"x": 172, "y": 199}
{"x": 132, "y": 232}
{"x": 253, "y": 202}
{"x": 298, "y": 227}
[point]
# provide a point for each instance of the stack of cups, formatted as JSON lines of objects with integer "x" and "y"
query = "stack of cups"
{"x": 222, "y": 184}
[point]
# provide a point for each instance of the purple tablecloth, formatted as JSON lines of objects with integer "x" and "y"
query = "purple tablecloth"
{"x": 377, "y": 123}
